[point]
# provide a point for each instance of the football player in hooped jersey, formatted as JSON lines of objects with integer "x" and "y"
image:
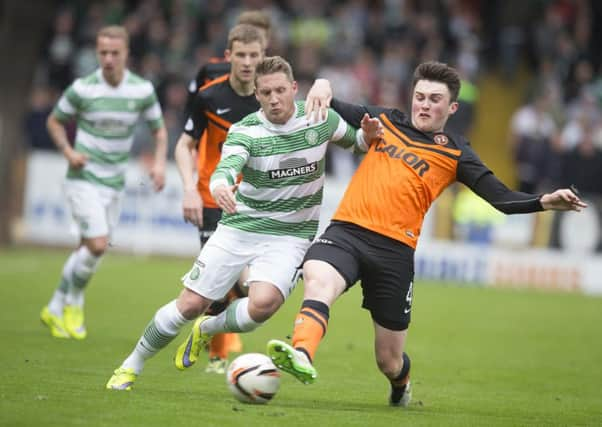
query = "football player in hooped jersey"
{"x": 270, "y": 218}
{"x": 106, "y": 105}
{"x": 375, "y": 230}
{"x": 217, "y": 105}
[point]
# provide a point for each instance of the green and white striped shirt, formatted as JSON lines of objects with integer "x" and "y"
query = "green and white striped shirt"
{"x": 283, "y": 171}
{"x": 106, "y": 118}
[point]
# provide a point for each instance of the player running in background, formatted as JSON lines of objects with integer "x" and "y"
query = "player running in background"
{"x": 375, "y": 229}
{"x": 106, "y": 105}
{"x": 217, "y": 105}
{"x": 269, "y": 220}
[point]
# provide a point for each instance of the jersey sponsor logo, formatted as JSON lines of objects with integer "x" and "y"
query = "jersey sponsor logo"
{"x": 312, "y": 137}
{"x": 440, "y": 139}
{"x": 411, "y": 159}
{"x": 221, "y": 111}
{"x": 324, "y": 241}
{"x": 111, "y": 127}
{"x": 294, "y": 171}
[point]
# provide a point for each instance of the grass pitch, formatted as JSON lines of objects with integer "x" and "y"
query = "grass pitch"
{"x": 480, "y": 357}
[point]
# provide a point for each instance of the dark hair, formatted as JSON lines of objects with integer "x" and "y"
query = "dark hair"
{"x": 438, "y": 72}
{"x": 274, "y": 64}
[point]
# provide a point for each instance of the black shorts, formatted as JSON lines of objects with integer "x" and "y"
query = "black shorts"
{"x": 385, "y": 267}
{"x": 211, "y": 217}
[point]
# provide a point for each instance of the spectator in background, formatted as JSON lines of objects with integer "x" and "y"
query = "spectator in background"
{"x": 582, "y": 163}
{"x": 40, "y": 106}
{"x": 532, "y": 134}
{"x": 61, "y": 49}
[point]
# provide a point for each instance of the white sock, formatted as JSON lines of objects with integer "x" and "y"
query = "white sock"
{"x": 59, "y": 298}
{"x": 162, "y": 329}
{"x": 235, "y": 318}
{"x": 83, "y": 268}
{"x": 57, "y": 303}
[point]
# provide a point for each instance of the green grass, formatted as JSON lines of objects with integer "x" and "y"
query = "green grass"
{"x": 480, "y": 357}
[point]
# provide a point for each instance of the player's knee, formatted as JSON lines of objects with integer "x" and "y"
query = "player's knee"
{"x": 191, "y": 305}
{"x": 97, "y": 246}
{"x": 319, "y": 290}
{"x": 263, "y": 307}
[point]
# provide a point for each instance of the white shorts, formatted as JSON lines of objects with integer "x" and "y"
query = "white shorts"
{"x": 95, "y": 208}
{"x": 272, "y": 259}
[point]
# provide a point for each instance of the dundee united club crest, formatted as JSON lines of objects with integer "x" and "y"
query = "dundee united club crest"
{"x": 440, "y": 139}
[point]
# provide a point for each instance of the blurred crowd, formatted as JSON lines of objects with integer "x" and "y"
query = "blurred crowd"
{"x": 368, "y": 49}
{"x": 556, "y": 136}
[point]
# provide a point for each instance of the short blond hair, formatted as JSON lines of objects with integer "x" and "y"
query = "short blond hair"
{"x": 246, "y": 34}
{"x": 114, "y": 32}
{"x": 274, "y": 64}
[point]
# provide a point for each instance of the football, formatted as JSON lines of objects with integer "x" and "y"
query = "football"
{"x": 253, "y": 378}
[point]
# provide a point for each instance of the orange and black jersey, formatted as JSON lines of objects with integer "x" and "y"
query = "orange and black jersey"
{"x": 216, "y": 67}
{"x": 404, "y": 172}
{"x": 216, "y": 106}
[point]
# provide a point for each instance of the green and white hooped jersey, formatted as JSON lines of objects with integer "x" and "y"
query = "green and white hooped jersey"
{"x": 283, "y": 171}
{"x": 106, "y": 118}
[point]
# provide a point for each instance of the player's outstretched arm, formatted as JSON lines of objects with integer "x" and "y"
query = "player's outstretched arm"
{"x": 563, "y": 199}
{"x": 318, "y": 100}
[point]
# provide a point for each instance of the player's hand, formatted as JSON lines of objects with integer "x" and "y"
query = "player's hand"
{"x": 76, "y": 159}
{"x": 318, "y": 100}
{"x": 224, "y": 197}
{"x": 372, "y": 127}
{"x": 157, "y": 174}
{"x": 562, "y": 200}
{"x": 192, "y": 207}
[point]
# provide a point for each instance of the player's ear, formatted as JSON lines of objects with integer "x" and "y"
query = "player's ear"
{"x": 453, "y": 107}
{"x": 295, "y": 87}
{"x": 227, "y": 55}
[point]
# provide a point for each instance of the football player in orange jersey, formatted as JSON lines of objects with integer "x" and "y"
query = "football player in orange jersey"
{"x": 374, "y": 232}
{"x": 218, "y": 66}
{"x": 218, "y": 104}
